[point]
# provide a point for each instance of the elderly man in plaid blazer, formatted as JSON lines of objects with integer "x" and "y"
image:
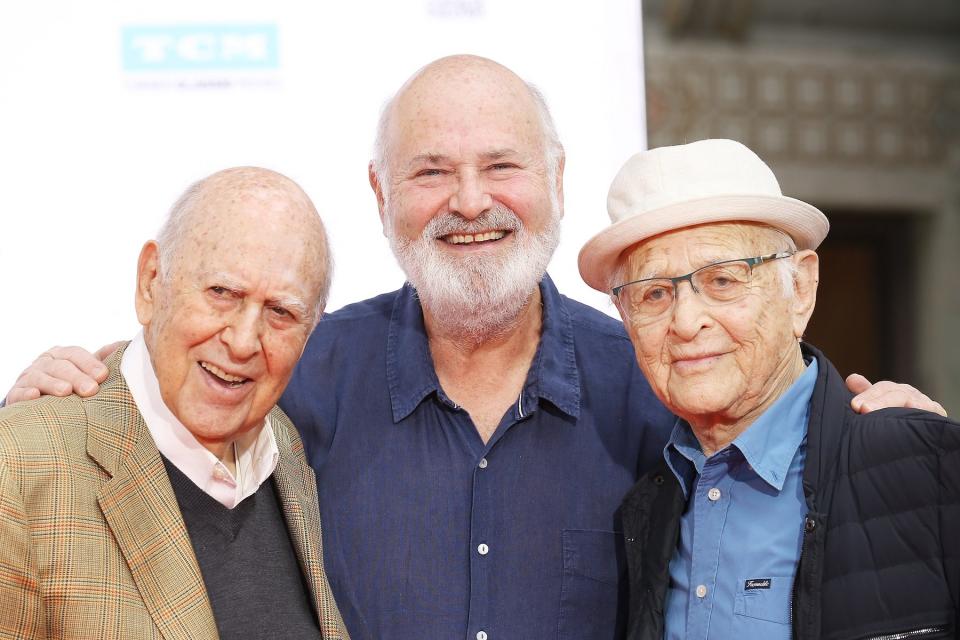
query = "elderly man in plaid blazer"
{"x": 176, "y": 503}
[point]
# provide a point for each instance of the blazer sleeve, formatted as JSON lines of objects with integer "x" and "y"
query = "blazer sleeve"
{"x": 21, "y": 602}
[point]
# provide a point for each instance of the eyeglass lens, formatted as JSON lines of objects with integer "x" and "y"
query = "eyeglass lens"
{"x": 716, "y": 284}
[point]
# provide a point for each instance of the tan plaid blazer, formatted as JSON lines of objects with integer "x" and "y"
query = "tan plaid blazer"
{"x": 92, "y": 543}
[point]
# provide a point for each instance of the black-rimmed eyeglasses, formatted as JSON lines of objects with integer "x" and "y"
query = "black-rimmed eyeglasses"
{"x": 645, "y": 301}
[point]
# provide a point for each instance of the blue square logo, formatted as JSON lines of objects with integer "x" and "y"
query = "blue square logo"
{"x": 200, "y": 47}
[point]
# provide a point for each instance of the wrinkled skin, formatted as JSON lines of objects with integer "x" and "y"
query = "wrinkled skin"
{"x": 720, "y": 367}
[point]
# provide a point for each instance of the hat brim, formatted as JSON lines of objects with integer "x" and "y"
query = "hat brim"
{"x": 801, "y": 221}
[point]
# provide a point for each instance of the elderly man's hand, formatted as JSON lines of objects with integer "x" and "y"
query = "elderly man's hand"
{"x": 886, "y": 394}
{"x": 61, "y": 371}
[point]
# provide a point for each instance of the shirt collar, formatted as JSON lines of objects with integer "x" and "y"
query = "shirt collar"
{"x": 683, "y": 455}
{"x": 768, "y": 445}
{"x": 411, "y": 376}
{"x": 771, "y": 442}
{"x": 257, "y": 454}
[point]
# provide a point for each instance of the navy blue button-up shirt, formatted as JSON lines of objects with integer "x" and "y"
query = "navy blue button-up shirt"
{"x": 429, "y": 532}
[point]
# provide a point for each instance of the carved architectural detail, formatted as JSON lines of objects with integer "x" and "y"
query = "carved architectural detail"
{"x": 814, "y": 111}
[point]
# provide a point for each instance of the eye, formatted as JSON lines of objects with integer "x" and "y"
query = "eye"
{"x": 723, "y": 283}
{"x": 429, "y": 173}
{"x": 281, "y": 312}
{"x": 656, "y": 293}
{"x": 500, "y": 166}
{"x": 720, "y": 281}
{"x": 221, "y": 295}
{"x": 724, "y": 277}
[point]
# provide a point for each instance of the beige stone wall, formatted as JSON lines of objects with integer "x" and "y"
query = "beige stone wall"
{"x": 844, "y": 124}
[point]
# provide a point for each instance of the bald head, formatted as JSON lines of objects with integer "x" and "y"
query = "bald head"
{"x": 464, "y": 85}
{"x": 228, "y": 297}
{"x": 245, "y": 203}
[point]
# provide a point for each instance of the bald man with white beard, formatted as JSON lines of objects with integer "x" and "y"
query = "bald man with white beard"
{"x": 478, "y": 443}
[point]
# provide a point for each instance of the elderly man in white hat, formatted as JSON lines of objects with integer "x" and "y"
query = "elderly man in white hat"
{"x": 777, "y": 508}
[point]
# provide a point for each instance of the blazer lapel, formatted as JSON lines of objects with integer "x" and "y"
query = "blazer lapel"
{"x": 297, "y": 489}
{"x": 303, "y": 521}
{"x": 141, "y": 510}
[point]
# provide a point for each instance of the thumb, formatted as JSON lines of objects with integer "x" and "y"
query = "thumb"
{"x": 857, "y": 383}
{"x": 106, "y": 350}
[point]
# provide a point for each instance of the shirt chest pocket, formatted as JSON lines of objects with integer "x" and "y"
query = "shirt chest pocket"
{"x": 593, "y": 585}
{"x": 765, "y": 598}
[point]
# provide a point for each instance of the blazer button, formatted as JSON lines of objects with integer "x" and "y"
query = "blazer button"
{"x": 809, "y": 525}
{"x": 658, "y": 479}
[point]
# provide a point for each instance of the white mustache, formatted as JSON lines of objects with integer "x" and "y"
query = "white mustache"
{"x": 499, "y": 217}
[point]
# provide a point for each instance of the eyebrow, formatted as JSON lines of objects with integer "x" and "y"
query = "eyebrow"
{"x": 432, "y": 158}
{"x": 439, "y": 158}
{"x": 658, "y": 275}
{"x": 291, "y": 303}
{"x": 224, "y": 280}
{"x": 497, "y": 154}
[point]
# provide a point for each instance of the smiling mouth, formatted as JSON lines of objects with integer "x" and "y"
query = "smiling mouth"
{"x": 696, "y": 363}
{"x": 221, "y": 376}
{"x": 705, "y": 356}
{"x": 474, "y": 238}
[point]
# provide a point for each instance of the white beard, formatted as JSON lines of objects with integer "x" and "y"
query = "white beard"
{"x": 475, "y": 296}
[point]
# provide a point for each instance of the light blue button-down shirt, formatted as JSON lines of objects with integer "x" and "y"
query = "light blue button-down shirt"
{"x": 740, "y": 537}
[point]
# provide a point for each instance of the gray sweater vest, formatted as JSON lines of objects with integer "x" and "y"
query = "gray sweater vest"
{"x": 248, "y": 563}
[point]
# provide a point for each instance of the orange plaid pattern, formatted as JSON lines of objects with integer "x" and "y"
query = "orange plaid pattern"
{"x": 92, "y": 543}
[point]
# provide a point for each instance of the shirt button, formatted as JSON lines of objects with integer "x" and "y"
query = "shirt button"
{"x": 482, "y": 549}
{"x": 483, "y": 465}
{"x": 481, "y": 635}
{"x": 701, "y": 591}
{"x": 219, "y": 473}
{"x": 713, "y": 494}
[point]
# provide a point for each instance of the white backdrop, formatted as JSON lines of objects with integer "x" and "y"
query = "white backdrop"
{"x": 109, "y": 109}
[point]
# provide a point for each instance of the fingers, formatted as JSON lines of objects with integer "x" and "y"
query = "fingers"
{"x": 887, "y": 394}
{"x": 935, "y": 407}
{"x": 59, "y": 372}
{"x": 19, "y": 394}
{"x": 879, "y": 396}
{"x": 106, "y": 350}
{"x": 70, "y": 359}
{"x": 857, "y": 383}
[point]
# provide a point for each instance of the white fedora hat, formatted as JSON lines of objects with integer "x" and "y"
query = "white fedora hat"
{"x": 706, "y": 181}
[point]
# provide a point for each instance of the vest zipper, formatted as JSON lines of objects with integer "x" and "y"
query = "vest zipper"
{"x": 906, "y": 635}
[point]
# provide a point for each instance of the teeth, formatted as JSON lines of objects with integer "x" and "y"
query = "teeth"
{"x": 220, "y": 373}
{"x": 459, "y": 238}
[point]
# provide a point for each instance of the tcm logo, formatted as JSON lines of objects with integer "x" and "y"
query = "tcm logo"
{"x": 199, "y": 47}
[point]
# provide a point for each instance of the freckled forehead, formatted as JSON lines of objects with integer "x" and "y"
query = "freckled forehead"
{"x": 257, "y": 239}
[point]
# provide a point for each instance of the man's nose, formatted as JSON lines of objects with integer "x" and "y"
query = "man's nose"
{"x": 242, "y": 334}
{"x": 689, "y": 313}
{"x": 470, "y": 197}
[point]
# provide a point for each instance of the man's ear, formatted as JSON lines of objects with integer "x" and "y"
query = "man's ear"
{"x": 805, "y": 289}
{"x": 376, "y": 186}
{"x": 148, "y": 281}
